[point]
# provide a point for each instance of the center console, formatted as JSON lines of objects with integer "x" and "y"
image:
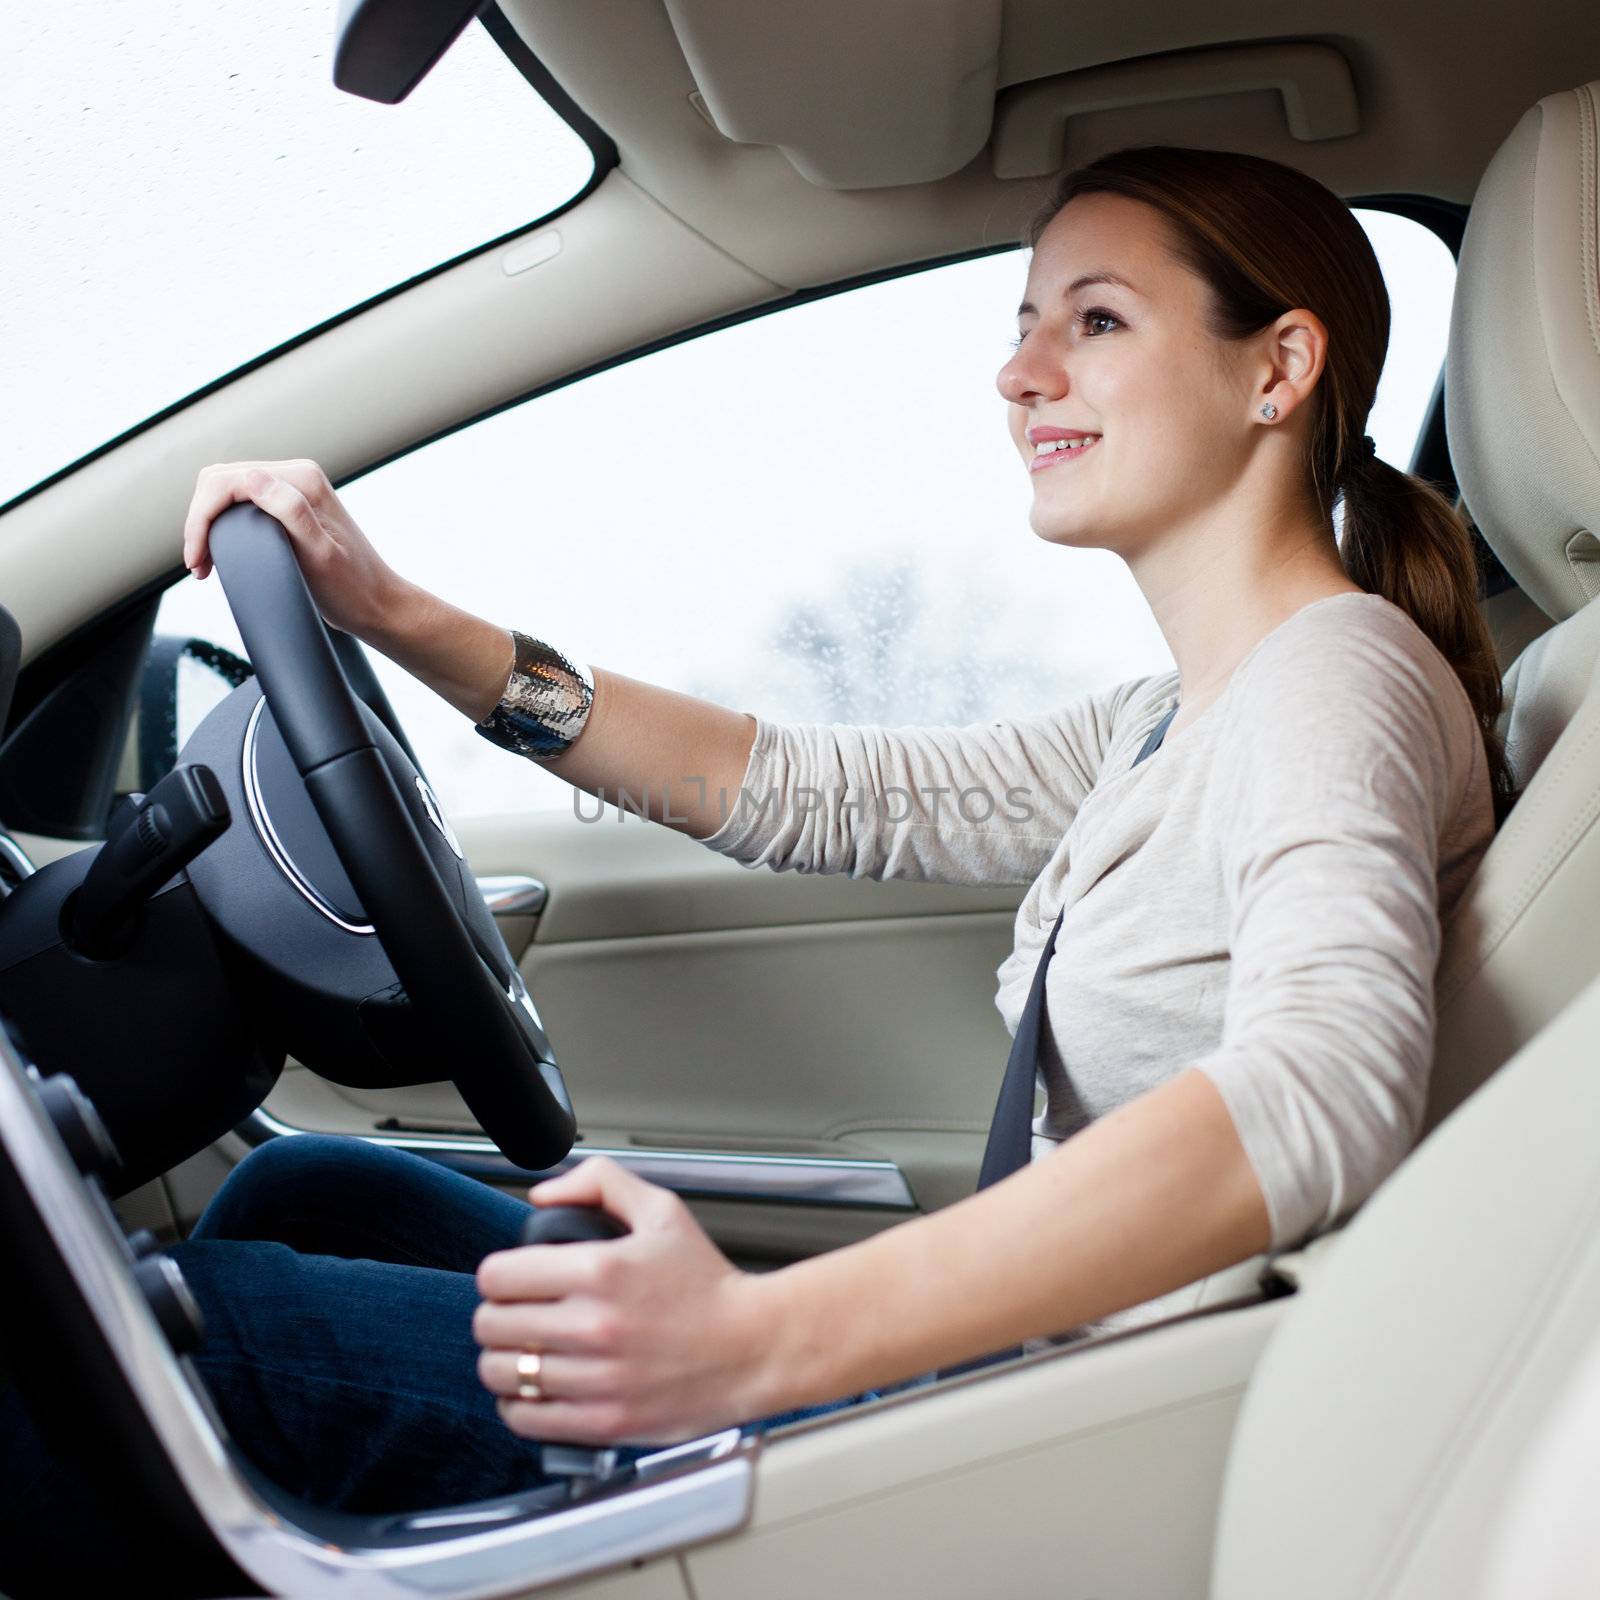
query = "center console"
{"x": 97, "y": 1341}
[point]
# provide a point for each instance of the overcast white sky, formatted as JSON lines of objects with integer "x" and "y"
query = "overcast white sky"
{"x": 184, "y": 188}
{"x": 190, "y": 190}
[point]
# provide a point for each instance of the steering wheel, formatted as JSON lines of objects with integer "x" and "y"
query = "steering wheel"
{"x": 373, "y": 915}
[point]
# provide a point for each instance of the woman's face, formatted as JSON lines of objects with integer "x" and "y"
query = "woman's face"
{"x": 1115, "y": 353}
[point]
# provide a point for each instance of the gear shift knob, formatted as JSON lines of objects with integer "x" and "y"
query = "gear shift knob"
{"x": 570, "y": 1225}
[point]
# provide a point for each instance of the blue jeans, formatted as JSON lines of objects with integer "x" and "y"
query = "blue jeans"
{"x": 336, "y": 1280}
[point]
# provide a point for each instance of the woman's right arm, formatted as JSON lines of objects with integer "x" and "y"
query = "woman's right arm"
{"x": 672, "y": 754}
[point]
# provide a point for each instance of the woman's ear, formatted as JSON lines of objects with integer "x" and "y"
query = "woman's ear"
{"x": 1294, "y": 350}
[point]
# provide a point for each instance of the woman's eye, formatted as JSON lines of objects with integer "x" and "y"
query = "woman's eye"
{"x": 1094, "y": 321}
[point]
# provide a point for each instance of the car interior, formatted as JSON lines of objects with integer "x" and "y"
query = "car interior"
{"x": 270, "y": 928}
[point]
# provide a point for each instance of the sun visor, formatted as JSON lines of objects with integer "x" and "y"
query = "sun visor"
{"x": 856, "y": 95}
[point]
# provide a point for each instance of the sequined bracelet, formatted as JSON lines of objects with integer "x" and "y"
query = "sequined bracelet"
{"x": 545, "y": 704}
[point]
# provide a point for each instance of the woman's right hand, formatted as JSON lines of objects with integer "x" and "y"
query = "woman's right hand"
{"x": 353, "y": 587}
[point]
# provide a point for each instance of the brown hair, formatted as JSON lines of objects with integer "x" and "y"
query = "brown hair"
{"x": 1267, "y": 238}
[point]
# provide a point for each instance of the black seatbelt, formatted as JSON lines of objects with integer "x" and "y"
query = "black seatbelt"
{"x": 1010, "y": 1145}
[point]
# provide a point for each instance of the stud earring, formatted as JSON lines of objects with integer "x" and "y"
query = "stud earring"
{"x": 1269, "y": 411}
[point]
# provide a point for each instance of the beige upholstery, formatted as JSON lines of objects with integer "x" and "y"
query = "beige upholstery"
{"x": 1523, "y": 397}
{"x": 1520, "y": 944}
{"x": 1523, "y": 409}
{"x": 1546, "y": 1542}
{"x": 1385, "y": 1423}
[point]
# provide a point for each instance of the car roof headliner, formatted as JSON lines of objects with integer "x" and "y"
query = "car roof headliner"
{"x": 873, "y": 130}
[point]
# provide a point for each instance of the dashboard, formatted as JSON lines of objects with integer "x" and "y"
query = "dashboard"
{"x": 102, "y": 1327}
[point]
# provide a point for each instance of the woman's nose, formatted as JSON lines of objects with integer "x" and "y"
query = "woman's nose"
{"x": 1031, "y": 374}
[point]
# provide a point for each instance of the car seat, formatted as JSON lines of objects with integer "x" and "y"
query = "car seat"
{"x": 1389, "y": 1413}
{"x": 1522, "y": 410}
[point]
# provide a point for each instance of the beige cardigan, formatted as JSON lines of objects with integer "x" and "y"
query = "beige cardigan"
{"x": 1260, "y": 898}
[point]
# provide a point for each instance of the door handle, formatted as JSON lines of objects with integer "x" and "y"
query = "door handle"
{"x": 513, "y": 895}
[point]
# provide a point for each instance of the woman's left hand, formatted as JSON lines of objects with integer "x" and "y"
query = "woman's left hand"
{"x": 651, "y": 1338}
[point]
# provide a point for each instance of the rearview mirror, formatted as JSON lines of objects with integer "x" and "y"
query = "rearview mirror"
{"x": 384, "y": 48}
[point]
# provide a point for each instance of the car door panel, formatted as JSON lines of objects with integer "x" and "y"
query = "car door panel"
{"x": 770, "y": 1044}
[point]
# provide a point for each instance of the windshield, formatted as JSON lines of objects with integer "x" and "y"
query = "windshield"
{"x": 184, "y": 190}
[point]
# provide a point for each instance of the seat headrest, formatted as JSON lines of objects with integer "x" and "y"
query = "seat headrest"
{"x": 1522, "y": 400}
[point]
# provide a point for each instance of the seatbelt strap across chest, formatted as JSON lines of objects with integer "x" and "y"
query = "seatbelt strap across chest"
{"x": 1010, "y": 1145}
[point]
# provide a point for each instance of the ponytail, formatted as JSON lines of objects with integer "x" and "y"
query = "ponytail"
{"x": 1403, "y": 540}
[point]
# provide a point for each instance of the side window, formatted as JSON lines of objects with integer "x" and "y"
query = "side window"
{"x": 816, "y": 515}
{"x": 1420, "y": 274}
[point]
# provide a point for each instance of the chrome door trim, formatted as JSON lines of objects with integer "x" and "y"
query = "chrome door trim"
{"x": 513, "y": 895}
{"x": 868, "y": 1183}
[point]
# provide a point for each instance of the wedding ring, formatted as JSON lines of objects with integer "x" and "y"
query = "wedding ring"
{"x": 529, "y": 1364}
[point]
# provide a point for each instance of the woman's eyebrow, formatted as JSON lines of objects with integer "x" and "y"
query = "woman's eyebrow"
{"x": 1082, "y": 283}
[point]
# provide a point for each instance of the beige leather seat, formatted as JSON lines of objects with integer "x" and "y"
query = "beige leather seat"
{"x": 1385, "y": 1421}
{"x": 1523, "y": 411}
{"x": 1546, "y": 1543}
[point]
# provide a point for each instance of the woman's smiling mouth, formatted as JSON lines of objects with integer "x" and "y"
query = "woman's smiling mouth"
{"x": 1054, "y": 445}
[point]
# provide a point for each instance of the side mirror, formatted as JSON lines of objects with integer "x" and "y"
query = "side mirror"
{"x": 182, "y": 680}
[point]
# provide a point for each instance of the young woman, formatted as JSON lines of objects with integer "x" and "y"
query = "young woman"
{"x": 1241, "y": 868}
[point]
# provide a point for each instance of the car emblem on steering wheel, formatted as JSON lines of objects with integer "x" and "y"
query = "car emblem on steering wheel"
{"x": 437, "y": 817}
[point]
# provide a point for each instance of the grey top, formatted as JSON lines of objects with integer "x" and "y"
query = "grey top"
{"x": 1260, "y": 898}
